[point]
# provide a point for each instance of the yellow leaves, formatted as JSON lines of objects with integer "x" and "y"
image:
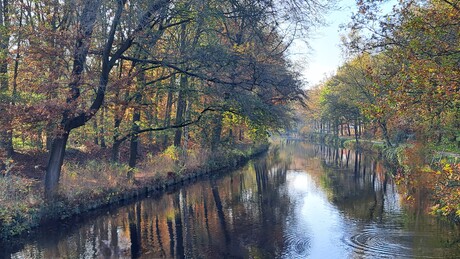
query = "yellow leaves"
{"x": 172, "y": 152}
{"x": 447, "y": 168}
{"x": 242, "y": 48}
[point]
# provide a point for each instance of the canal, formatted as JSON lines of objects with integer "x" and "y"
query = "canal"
{"x": 298, "y": 201}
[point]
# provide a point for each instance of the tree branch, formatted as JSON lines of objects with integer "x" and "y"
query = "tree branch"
{"x": 181, "y": 125}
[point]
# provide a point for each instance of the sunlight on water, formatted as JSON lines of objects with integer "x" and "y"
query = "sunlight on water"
{"x": 315, "y": 218}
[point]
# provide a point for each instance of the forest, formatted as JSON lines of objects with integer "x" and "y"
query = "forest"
{"x": 400, "y": 86}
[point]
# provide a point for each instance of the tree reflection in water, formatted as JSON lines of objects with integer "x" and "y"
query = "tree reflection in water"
{"x": 256, "y": 212}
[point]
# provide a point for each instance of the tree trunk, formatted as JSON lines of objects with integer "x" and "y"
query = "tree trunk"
{"x": 383, "y": 126}
{"x": 55, "y": 161}
{"x": 102, "y": 129}
{"x": 6, "y": 134}
{"x": 118, "y": 116}
{"x": 356, "y": 132}
{"x": 134, "y": 145}
{"x": 96, "y": 132}
{"x": 181, "y": 105}
{"x": 167, "y": 120}
{"x": 154, "y": 137}
{"x": 217, "y": 131}
{"x": 116, "y": 142}
{"x": 116, "y": 151}
{"x": 187, "y": 118}
{"x": 181, "y": 100}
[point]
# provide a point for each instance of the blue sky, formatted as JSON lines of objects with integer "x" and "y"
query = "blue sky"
{"x": 325, "y": 54}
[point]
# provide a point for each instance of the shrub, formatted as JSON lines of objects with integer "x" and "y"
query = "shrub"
{"x": 446, "y": 190}
{"x": 19, "y": 204}
{"x": 91, "y": 178}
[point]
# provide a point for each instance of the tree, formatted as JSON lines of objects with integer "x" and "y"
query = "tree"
{"x": 153, "y": 18}
{"x": 6, "y": 139}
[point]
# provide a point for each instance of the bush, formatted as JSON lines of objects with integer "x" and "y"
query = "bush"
{"x": 446, "y": 191}
{"x": 19, "y": 205}
{"x": 91, "y": 178}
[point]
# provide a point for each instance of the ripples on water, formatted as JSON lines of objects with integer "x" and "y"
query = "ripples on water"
{"x": 300, "y": 201}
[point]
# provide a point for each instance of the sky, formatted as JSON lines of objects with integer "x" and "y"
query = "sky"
{"x": 324, "y": 55}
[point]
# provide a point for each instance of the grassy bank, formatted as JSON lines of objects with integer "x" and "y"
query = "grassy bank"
{"x": 91, "y": 184}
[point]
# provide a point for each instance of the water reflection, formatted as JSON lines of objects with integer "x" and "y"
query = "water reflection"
{"x": 300, "y": 201}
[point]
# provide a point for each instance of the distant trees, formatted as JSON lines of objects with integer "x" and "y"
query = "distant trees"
{"x": 404, "y": 71}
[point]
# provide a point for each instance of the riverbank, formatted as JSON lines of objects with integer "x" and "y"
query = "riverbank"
{"x": 93, "y": 184}
{"x": 423, "y": 173}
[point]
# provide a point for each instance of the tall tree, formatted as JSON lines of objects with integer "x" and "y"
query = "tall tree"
{"x": 153, "y": 17}
{"x": 6, "y": 131}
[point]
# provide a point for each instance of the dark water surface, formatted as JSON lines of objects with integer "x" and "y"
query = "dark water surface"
{"x": 299, "y": 201}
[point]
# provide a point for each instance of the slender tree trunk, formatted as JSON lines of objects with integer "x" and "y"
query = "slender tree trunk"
{"x": 102, "y": 129}
{"x": 152, "y": 116}
{"x": 116, "y": 151}
{"x": 217, "y": 131}
{"x": 187, "y": 118}
{"x": 357, "y": 131}
{"x": 169, "y": 101}
{"x": 181, "y": 105}
{"x": 383, "y": 126}
{"x": 181, "y": 99}
{"x": 118, "y": 117}
{"x": 134, "y": 145}
{"x": 96, "y": 132}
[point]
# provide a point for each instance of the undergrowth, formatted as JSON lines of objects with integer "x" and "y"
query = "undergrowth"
{"x": 89, "y": 184}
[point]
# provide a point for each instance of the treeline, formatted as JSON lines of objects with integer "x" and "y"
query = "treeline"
{"x": 401, "y": 80}
{"x": 110, "y": 74}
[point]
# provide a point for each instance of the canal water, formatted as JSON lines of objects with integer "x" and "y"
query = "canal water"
{"x": 298, "y": 201}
